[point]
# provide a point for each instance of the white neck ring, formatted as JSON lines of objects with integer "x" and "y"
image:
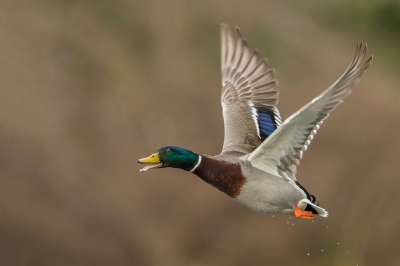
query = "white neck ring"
{"x": 197, "y": 164}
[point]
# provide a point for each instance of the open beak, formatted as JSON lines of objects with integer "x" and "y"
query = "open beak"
{"x": 153, "y": 162}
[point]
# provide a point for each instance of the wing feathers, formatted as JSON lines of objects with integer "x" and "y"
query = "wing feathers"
{"x": 288, "y": 142}
{"x": 248, "y": 85}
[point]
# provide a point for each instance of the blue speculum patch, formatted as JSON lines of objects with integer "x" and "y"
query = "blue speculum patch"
{"x": 266, "y": 123}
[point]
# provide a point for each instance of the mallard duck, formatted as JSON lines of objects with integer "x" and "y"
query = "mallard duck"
{"x": 257, "y": 165}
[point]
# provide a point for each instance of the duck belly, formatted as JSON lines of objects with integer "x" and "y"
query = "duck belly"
{"x": 266, "y": 193}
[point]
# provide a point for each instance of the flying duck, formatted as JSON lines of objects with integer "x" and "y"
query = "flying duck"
{"x": 257, "y": 165}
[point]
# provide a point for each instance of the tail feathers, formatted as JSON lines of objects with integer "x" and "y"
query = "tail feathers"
{"x": 306, "y": 203}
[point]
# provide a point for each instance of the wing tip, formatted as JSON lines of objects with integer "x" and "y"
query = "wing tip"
{"x": 238, "y": 32}
{"x": 224, "y": 26}
{"x": 225, "y": 31}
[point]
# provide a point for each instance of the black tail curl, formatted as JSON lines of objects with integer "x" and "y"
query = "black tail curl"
{"x": 310, "y": 197}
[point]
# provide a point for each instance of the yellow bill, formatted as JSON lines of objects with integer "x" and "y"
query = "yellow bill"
{"x": 153, "y": 162}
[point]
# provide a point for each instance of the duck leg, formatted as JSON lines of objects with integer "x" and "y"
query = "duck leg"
{"x": 299, "y": 213}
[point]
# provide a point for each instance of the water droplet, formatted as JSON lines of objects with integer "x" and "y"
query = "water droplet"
{"x": 292, "y": 224}
{"x": 348, "y": 252}
{"x": 273, "y": 216}
{"x": 287, "y": 222}
{"x": 337, "y": 243}
{"x": 322, "y": 250}
{"x": 308, "y": 254}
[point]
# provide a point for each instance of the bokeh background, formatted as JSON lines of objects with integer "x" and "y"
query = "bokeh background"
{"x": 88, "y": 87}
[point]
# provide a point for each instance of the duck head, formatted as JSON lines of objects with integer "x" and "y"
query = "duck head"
{"x": 170, "y": 156}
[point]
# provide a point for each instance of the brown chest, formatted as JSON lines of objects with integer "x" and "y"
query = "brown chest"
{"x": 225, "y": 176}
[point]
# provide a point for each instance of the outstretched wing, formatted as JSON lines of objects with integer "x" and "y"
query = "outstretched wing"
{"x": 282, "y": 151}
{"x": 249, "y": 95}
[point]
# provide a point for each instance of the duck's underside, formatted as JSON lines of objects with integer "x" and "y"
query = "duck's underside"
{"x": 257, "y": 190}
{"x": 270, "y": 194}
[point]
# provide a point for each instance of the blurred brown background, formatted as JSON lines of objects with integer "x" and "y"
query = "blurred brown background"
{"x": 88, "y": 87}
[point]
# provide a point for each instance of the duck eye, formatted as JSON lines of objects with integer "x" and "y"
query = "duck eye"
{"x": 169, "y": 150}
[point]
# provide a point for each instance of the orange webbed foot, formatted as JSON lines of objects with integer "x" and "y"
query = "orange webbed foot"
{"x": 299, "y": 213}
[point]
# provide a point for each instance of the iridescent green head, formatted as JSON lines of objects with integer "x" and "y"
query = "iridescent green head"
{"x": 170, "y": 156}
